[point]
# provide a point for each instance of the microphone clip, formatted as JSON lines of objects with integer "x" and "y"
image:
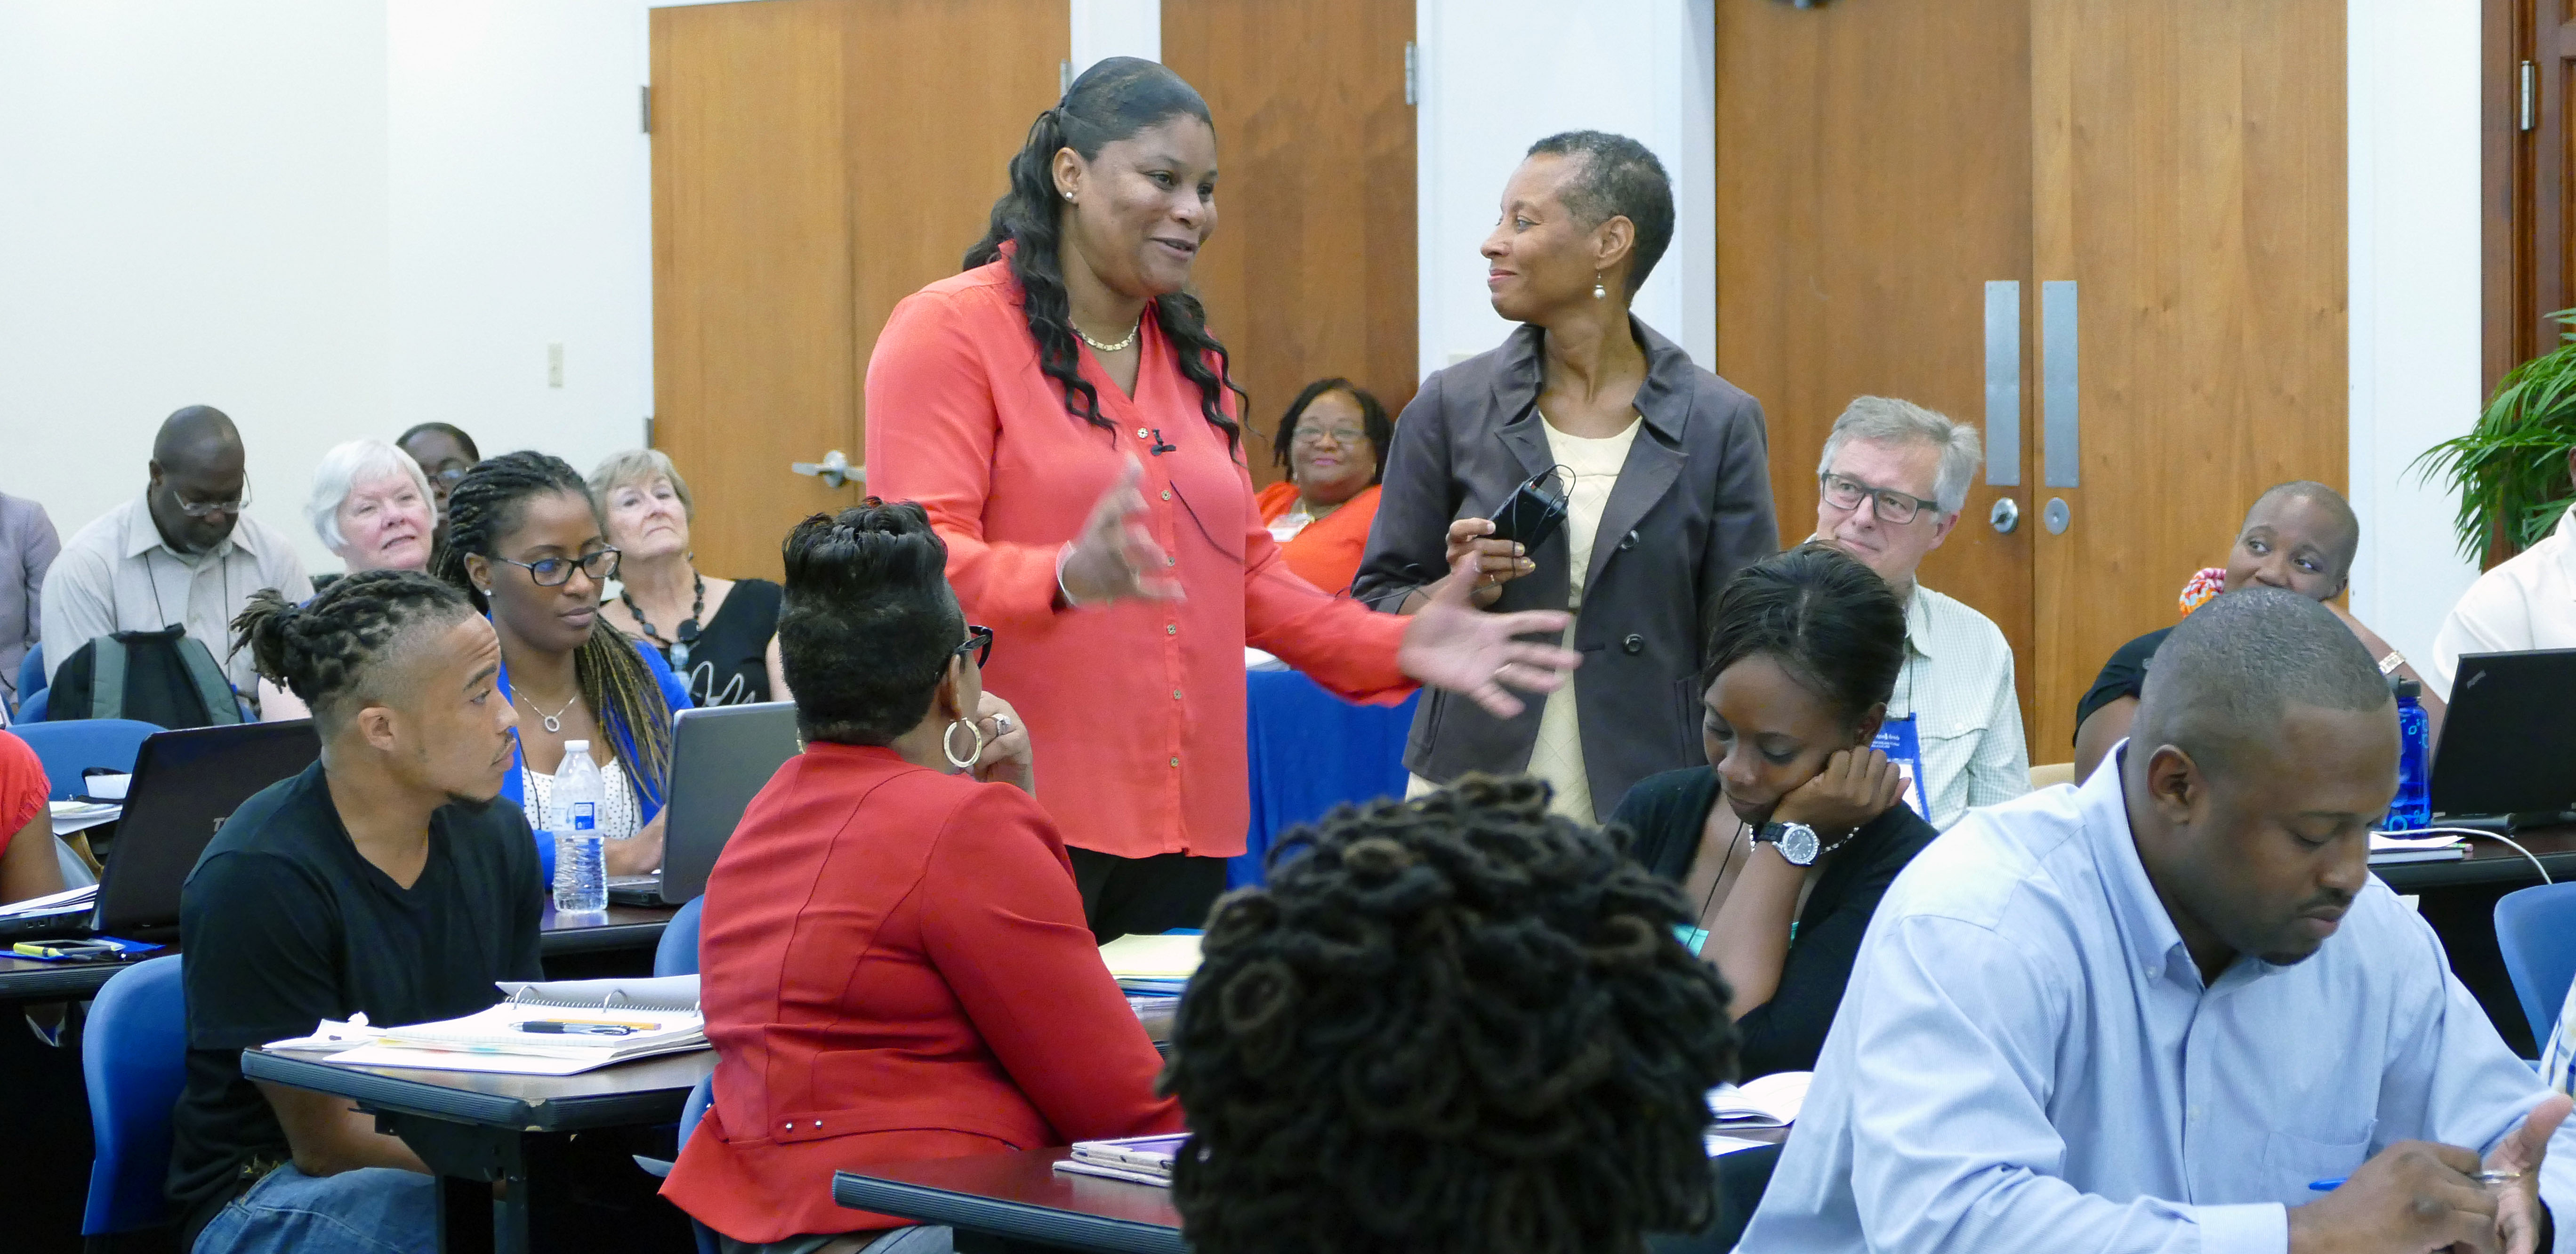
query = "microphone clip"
{"x": 1159, "y": 446}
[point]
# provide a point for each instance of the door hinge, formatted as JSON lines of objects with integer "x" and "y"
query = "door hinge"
{"x": 2530, "y": 95}
{"x": 644, "y": 107}
{"x": 1412, "y": 73}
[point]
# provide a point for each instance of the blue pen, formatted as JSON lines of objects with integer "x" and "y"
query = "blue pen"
{"x": 2328, "y": 1186}
{"x": 2483, "y": 1177}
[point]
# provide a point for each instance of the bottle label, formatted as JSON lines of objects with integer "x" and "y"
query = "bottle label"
{"x": 585, "y": 816}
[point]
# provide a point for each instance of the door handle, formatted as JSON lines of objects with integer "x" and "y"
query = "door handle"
{"x": 835, "y": 469}
{"x": 2061, "y": 425}
{"x": 2003, "y": 389}
{"x": 2005, "y": 516}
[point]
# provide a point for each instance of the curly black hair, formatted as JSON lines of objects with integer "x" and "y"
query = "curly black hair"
{"x": 324, "y": 650}
{"x": 1111, "y": 101}
{"x": 1373, "y": 419}
{"x": 869, "y": 623}
{"x": 1456, "y": 1023}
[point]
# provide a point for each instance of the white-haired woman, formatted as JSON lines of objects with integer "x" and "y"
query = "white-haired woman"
{"x": 719, "y": 635}
{"x": 371, "y": 505}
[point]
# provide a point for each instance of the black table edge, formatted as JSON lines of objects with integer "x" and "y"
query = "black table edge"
{"x": 2493, "y": 866}
{"x": 377, "y": 1092}
{"x": 585, "y": 940}
{"x": 975, "y": 1213}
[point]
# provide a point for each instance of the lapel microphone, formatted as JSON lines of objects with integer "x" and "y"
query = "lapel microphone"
{"x": 1159, "y": 447}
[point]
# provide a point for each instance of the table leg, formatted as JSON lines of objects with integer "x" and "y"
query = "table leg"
{"x": 464, "y": 1216}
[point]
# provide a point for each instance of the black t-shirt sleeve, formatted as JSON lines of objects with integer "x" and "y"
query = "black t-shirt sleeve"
{"x": 2123, "y": 676}
{"x": 269, "y": 971}
{"x": 1787, "y": 1032}
{"x": 526, "y": 892}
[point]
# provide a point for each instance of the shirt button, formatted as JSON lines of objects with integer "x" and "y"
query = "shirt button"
{"x": 1167, "y": 494}
{"x": 1633, "y": 645}
{"x": 1171, "y": 629}
{"x": 1143, "y": 434}
{"x": 1628, "y": 541}
{"x": 1176, "y": 761}
{"x": 1176, "y": 694}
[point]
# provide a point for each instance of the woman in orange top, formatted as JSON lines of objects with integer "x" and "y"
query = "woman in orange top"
{"x": 1064, "y": 415}
{"x": 1333, "y": 443}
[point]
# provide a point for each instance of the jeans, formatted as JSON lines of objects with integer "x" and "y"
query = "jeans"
{"x": 373, "y": 1210}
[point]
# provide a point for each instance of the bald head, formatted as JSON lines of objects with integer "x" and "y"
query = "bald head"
{"x": 2340, "y": 533}
{"x": 196, "y": 463}
{"x": 194, "y": 436}
{"x": 2223, "y": 683}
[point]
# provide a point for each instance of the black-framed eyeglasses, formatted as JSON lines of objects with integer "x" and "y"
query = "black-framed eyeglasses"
{"x": 1890, "y": 506}
{"x": 555, "y": 572}
{"x": 979, "y": 641}
{"x": 206, "y": 509}
{"x": 451, "y": 476}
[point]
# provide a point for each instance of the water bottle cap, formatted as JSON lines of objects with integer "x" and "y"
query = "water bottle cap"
{"x": 576, "y": 746}
{"x": 2409, "y": 688}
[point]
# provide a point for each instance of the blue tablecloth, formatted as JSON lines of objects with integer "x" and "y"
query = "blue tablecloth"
{"x": 1311, "y": 751}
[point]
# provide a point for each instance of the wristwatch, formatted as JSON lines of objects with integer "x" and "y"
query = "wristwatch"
{"x": 1799, "y": 844}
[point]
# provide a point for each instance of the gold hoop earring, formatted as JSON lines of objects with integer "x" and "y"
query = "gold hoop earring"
{"x": 949, "y": 752}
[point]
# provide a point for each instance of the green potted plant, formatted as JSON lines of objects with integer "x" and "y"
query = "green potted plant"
{"x": 2510, "y": 471}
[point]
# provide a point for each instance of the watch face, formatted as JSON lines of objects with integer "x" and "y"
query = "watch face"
{"x": 1798, "y": 844}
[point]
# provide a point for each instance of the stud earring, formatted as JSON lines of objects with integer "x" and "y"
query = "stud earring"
{"x": 1598, "y": 292}
{"x": 1068, "y": 198}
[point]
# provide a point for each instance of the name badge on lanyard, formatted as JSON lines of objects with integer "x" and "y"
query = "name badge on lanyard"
{"x": 1898, "y": 740}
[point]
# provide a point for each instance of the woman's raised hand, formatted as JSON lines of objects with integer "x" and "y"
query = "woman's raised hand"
{"x": 1451, "y": 644}
{"x": 1008, "y": 756}
{"x": 1115, "y": 558}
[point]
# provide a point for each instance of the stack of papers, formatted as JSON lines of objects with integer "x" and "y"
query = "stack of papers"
{"x": 1138, "y": 1159}
{"x": 1769, "y": 1102}
{"x": 1152, "y": 964}
{"x": 80, "y": 816}
{"x": 2388, "y": 850}
{"x": 543, "y": 1029}
{"x": 69, "y": 901}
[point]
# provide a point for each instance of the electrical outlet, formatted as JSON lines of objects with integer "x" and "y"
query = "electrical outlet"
{"x": 554, "y": 365}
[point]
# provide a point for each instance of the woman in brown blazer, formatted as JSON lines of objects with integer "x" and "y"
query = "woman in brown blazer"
{"x": 1662, "y": 462}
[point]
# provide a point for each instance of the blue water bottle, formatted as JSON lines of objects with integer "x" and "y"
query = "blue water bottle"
{"x": 2413, "y": 808}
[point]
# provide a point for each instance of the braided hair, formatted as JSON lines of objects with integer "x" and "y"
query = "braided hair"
{"x": 325, "y": 650}
{"x": 615, "y": 681}
{"x": 1113, "y": 100}
{"x": 1457, "y": 1023}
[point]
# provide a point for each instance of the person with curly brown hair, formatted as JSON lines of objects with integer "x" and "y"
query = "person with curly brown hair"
{"x": 1456, "y": 1023}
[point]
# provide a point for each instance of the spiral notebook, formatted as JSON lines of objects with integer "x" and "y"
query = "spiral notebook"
{"x": 561, "y": 1028}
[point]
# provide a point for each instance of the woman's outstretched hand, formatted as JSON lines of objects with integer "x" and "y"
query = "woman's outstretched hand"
{"x": 1451, "y": 644}
{"x": 1115, "y": 558}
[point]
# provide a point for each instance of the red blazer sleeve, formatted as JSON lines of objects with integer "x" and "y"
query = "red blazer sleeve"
{"x": 23, "y": 787}
{"x": 1003, "y": 923}
{"x": 1335, "y": 641}
{"x": 932, "y": 423}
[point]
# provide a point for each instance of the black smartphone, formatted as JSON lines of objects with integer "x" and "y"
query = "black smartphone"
{"x": 1530, "y": 515}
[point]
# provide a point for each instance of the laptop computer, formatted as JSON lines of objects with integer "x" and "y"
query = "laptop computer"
{"x": 186, "y": 783}
{"x": 721, "y": 757}
{"x": 2508, "y": 741}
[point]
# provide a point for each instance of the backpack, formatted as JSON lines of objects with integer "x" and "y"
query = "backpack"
{"x": 166, "y": 677}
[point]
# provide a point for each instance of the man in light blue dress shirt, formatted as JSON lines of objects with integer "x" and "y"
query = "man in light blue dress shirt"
{"x": 2118, "y": 1017}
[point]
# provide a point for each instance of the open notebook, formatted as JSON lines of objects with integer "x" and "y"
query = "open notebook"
{"x": 540, "y": 1029}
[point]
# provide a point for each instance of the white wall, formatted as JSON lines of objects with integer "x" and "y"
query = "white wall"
{"x": 1115, "y": 28}
{"x": 2415, "y": 308}
{"x": 1497, "y": 75}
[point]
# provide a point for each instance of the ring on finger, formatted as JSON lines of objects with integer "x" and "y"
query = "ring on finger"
{"x": 1001, "y": 724}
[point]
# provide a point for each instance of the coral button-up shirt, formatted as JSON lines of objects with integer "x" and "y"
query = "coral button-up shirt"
{"x": 1136, "y": 709}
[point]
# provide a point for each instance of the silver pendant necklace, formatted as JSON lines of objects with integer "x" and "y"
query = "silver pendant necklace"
{"x": 554, "y": 721}
{"x": 1119, "y": 347}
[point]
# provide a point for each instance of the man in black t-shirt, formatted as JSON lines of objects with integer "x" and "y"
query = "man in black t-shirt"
{"x": 385, "y": 880}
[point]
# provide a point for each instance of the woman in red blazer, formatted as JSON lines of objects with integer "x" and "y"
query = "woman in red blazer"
{"x": 894, "y": 958}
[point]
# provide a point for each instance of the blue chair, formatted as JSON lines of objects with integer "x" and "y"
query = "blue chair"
{"x": 33, "y": 709}
{"x": 2536, "y": 931}
{"x": 32, "y": 675}
{"x": 68, "y": 748}
{"x": 677, "y": 954}
{"x": 135, "y": 1055}
{"x": 694, "y": 1110}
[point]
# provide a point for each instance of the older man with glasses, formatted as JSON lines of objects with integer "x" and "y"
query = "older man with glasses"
{"x": 1893, "y": 479}
{"x": 182, "y": 552}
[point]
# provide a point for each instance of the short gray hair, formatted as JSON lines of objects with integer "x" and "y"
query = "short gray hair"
{"x": 638, "y": 465}
{"x": 342, "y": 470}
{"x": 1885, "y": 420}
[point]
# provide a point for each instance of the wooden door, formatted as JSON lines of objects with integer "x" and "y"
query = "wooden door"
{"x": 1873, "y": 176}
{"x": 2530, "y": 67}
{"x": 1311, "y": 270}
{"x": 2189, "y": 178}
{"x": 814, "y": 162}
{"x": 754, "y": 361}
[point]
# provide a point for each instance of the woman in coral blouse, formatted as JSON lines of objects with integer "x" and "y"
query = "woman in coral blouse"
{"x": 28, "y": 864}
{"x": 895, "y": 964}
{"x": 1062, "y": 412}
{"x": 1333, "y": 442}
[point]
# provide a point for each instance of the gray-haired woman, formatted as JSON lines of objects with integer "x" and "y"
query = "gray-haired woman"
{"x": 1660, "y": 462}
{"x": 371, "y": 505}
{"x": 719, "y": 635}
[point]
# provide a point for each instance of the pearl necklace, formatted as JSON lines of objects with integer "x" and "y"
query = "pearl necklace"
{"x": 1119, "y": 347}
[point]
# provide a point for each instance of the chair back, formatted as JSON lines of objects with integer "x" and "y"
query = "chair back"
{"x": 32, "y": 675}
{"x": 135, "y": 1057}
{"x": 69, "y": 748}
{"x": 677, "y": 954}
{"x": 2051, "y": 775}
{"x": 33, "y": 709}
{"x": 2536, "y": 931}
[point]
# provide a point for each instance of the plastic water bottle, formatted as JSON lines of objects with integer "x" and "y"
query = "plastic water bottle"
{"x": 572, "y": 814}
{"x": 2413, "y": 807}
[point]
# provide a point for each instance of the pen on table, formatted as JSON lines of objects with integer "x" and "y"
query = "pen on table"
{"x": 2483, "y": 1177}
{"x": 575, "y": 1029}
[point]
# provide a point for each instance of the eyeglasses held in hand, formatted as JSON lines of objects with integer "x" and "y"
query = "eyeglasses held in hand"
{"x": 206, "y": 509}
{"x": 555, "y": 572}
{"x": 979, "y": 641}
{"x": 1890, "y": 506}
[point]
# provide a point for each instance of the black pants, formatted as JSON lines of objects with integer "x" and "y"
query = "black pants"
{"x": 1148, "y": 895}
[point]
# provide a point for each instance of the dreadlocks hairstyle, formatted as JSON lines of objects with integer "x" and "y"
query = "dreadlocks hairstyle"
{"x": 325, "y": 650}
{"x": 615, "y": 681}
{"x": 1373, "y": 419}
{"x": 1457, "y": 1023}
{"x": 1112, "y": 101}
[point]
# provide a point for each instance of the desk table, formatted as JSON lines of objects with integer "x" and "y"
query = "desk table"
{"x": 2491, "y": 862}
{"x": 473, "y": 1128}
{"x": 24, "y": 980}
{"x": 1009, "y": 1203}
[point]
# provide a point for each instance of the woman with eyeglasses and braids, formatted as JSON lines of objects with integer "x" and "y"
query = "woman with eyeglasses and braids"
{"x": 1065, "y": 415}
{"x": 526, "y": 544}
